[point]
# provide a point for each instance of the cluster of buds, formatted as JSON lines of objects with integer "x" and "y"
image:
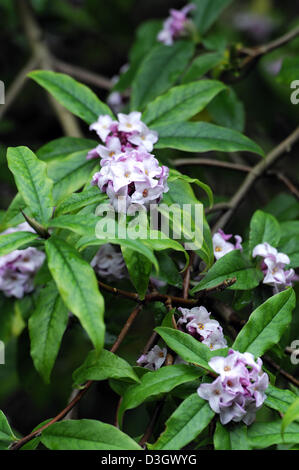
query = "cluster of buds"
{"x": 197, "y": 322}
{"x": 17, "y": 269}
{"x": 222, "y": 246}
{"x": 109, "y": 263}
{"x": 176, "y": 25}
{"x": 273, "y": 266}
{"x": 130, "y": 175}
{"x": 239, "y": 391}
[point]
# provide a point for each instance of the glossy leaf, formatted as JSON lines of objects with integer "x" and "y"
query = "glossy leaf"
{"x": 77, "y": 98}
{"x": 159, "y": 71}
{"x": 15, "y": 240}
{"x": 185, "y": 424}
{"x": 231, "y": 265}
{"x": 182, "y": 102}
{"x": 77, "y": 284}
{"x": 104, "y": 366}
{"x": 203, "y": 137}
{"x": 263, "y": 228}
{"x": 189, "y": 348}
{"x": 47, "y": 325}
{"x": 32, "y": 181}
{"x": 266, "y": 324}
{"x": 156, "y": 383}
{"x": 86, "y": 434}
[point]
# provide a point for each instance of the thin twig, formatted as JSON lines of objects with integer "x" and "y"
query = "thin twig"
{"x": 157, "y": 297}
{"x": 17, "y": 445}
{"x": 209, "y": 162}
{"x": 187, "y": 274}
{"x": 82, "y": 74}
{"x": 256, "y": 172}
{"x": 43, "y": 57}
{"x": 17, "y": 85}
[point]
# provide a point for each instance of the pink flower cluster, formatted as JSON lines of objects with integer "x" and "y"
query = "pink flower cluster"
{"x": 17, "y": 269}
{"x": 109, "y": 263}
{"x": 222, "y": 246}
{"x": 154, "y": 359}
{"x": 273, "y": 266}
{"x": 197, "y": 322}
{"x": 175, "y": 25}
{"x": 239, "y": 391}
{"x": 130, "y": 174}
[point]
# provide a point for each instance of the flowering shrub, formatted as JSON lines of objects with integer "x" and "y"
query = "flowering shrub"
{"x": 106, "y": 235}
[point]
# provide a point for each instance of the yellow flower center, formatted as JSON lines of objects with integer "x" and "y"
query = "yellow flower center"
{"x": 218, "y": 248}
{"x": 200, "y": 326}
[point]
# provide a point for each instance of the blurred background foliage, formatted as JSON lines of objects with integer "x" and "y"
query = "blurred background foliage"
{"x": 97, "y": 35}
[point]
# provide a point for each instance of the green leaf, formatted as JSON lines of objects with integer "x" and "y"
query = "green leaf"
{"x": 47, "y": 325}
{"x": 182, "y": 102}
{"x": 227, "y": 110}
{"x": 201, "y": 65}
{"x": 231, "y": 265}
{"x": 13, "y": 215}
{"x": 203, "y": 137}
{"x": 70, "y": 174}
{"x": 77, "y": 98}
{"x": 222, "y": 437}
{"x": 64, "y": 146}
{"x": 266, "y": 324}
{"x": 155, "y": 383}
{"x": 175, "y": 175}
{"x": 207, "y": 12}
{"x": 231, "y": 437}
{"x": 182, "y": 191}
{"x": 188, "y": 348}
{"x": 262, "y": 435}
{"x": 83, "y": 224}
{"x": 76, "y": 201}
{"x": 291, "y": 415}
{"x": 6, "y": 434}
{"x": 291, "y": 248}
{"x": 185, "y": 424}
{"x": 86, "y": 434}
{"x": 159, "y": 71}
{"x": 32, "y": 181}
{"x": 289, "y": 71}
{"x": 139, "y": 268}
{"x": 263, "y": 228}
{"x": 77, "y": 284}
{"x": 105, "y": 365}
{"x": 13, "y": 241}
{"x": 136, "y": 245}
{"x": 278, "y": 399}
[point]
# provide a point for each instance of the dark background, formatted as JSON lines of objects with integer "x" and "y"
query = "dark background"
{"x": 97, "y": 35}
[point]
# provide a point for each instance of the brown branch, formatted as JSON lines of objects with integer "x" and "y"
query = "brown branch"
{"x": 281, "y": 371}
{"x": 17, "y": 85}
{"x": 157, "y": 297}
{"x": 187, "y": 274}
{"x": 44, "y": 59}
{"x": 256, "y": 172}
{"x": 21, "y": 442}
{"x": 271, "y": 46}
{"x": 81, "y": 74}
{"x": 209, "y": 162}
{"x": 253, "y": 55}
{"x": 150, "y": 428}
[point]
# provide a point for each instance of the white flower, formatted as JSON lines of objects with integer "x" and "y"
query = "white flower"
{"x": 103, "y": 126}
